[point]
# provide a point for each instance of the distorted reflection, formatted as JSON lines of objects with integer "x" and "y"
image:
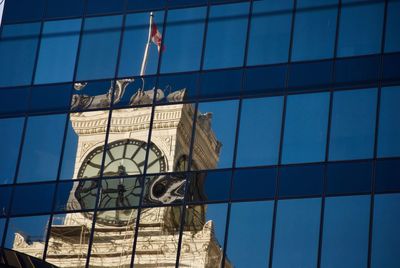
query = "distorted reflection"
{"x": 113, "y": 166}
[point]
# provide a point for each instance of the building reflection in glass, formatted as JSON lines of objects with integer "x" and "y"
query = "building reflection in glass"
{"x": 113, "y": 179}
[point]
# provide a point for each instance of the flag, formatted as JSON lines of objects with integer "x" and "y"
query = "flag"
{"x": 156, "y": 37}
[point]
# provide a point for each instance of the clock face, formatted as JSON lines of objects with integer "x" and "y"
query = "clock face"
{"x": 123, "y": 158}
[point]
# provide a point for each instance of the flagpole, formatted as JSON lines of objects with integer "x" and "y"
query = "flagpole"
{"x": 146, "y": 50}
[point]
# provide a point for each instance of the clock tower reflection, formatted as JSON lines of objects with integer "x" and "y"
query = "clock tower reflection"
{"x": 133, "y": 176}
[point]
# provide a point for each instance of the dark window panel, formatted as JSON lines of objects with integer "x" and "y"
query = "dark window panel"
{"x": 360, "y": 29}
{"x": 349, "y": 178}
{"x": 387, "y": 175}
{"x": 264, "y": 80}
{"x": 84, "y": 95}
{"x": 306, "y": 126}
{"x": 297, "y": 233}
{"x": 221, "y": 83}
{"x": 353, "y": 124}
{"x": 42, "y": 148}
{"x": 306, "y": 76}
{"x": 14, "y": 100}
{"x": 63, "y": 194}
{"x": 386, "y": 232}
{"x": 134, "y": 5}
{"x": 50, "y": 98}
{"x": 134, "y": 42}
{"x": 209, "y": 186}
{"x": 301, "y": 180}
{"x": 315, "y": 29}
{"x": 133, "y": 85}
{"x": 254, "y": 183}
{"x": 345, "y": 233}
{"x": 99, "y": 48}
{"x": 250, "y": 227}
{"x": 391, "y": 68}
{"x": 58, "y": 49}
{"x": 389, "y": 128}
{"x": 270, "y": 44}
{"x": 64, "y": 8}
{"x": 181, "y": 3}
{"x": 23, "y": 10}
{"x": 355, "y": 71}
{"x": 172, "y": 83}
{"x": 104, "y": 6}
{"x": 392, "y": 42}
{"x": 26, "y": 201}
{"x": 5, "y": 196}
{"x": 259, "y": 132}
{"x": 226, "y": 36}
{"x": 10, "y": 140}
{"x": 18, "y": 45}
{"x": 179, "y": 54}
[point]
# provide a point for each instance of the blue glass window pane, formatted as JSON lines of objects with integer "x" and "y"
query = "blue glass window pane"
{"x": 387, "y": 175}
{"x": 134, "y": 43}
{"x": 270, "y": 32}
{"x": 223, "y": 118}
{"x": 345, "y": 234}
{"x": 104, "y": 6}
{"x": 18, "y": 47}
{"x": 63, "y": 196}
{"x": 254, "y": 183}
{"x": 250, "y": 227}
{"x": 386, "y": 232}
{"x": 64, "y": 8}
{"x": 209, "y": 186}
{"x": 392, "y": 42}
{"x": 391, "y": 67}
{"x": 270, "y": 79}
{"x": 221, "y": 83}
{"x": 184, "y": 40}
{"x": 297, "y": 232}
{"x": 178, "y": 3}
{"x": 10, "y": 139}
{"x": 26, "y": 198}
{"x": 353, "y": 124}
{"x": 314, "y": 31}
{"x": 23, "y": 10}
{"x": 14, "y": 100}
{"x": 226, "y": 36}
{"x": 42, "y": 148}
{"x": 344, "y": 178}
{"x": 99, "y": 47}
{"x": 259, "y": 132}
{"x": 389, "y": 127}
{"x": 5, "y": 196}
{"x": 310, "y": 75}
{"x": 305, "y": 128}
{"x": 58, "y": 49}
{"x": 146, "y": 4}
{"x": 301, "y": 180}
{"x": 360, "y": 29}
{"x": 2, "y": 225}
{"x": 50, "y": 98}
{"x": 360, "y": 70}
{"x": 170, "y": 83}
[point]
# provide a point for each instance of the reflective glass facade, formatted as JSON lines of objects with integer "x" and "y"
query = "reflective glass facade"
{"x": 201, "y": 133}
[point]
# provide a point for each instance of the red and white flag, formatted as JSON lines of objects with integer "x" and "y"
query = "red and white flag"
{"x": 156, "y": 37}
